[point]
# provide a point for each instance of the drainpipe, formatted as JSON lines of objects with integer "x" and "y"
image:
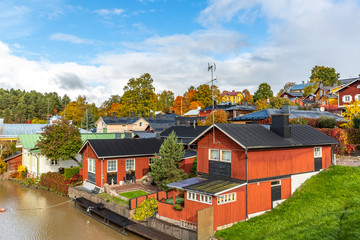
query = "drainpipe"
{"x": 37, "y": 165}
{"x": 102, "y": 172}
{"x": 247, "y": 182}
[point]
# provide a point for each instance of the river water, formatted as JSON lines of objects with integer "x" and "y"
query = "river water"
{"x": 22, "y": 220}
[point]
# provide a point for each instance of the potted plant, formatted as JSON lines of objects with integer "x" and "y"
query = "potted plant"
{"x": 130, "y": 174}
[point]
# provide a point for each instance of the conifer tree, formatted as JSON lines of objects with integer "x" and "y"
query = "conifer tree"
{"x": 165, "y": 168}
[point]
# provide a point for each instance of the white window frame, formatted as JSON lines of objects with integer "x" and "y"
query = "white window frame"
{"x": 91, "y": 165}
{"x": 227, "y": 198}
{"x": 274, "y": 183}
{"x": 357, "y": 97}
{"x": 54, "y": 162}
{"x": 217, "y": 154}
{"x": 358, "y": 86}
{"x": 345, "y": 100}
{"x": 317, "y": 152}
{"x": 198, "y": 197}
{"x": 140, "y": 124}
{"x": 151, "y": 160}
{"x": 126, "y": 164}
{"x": 221, "y": 156}
{"x": 111, "y": 161}
{"x": 285, "y": 96}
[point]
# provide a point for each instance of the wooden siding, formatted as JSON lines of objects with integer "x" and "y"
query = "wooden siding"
{"x": 230, "y": 212}
{"x": 259, "y": 197}
{"x": 326, "y": 156}
{"x": 222, "y": 142}
{"x": 349, "y": 90}
{"x": 285, "y": 188}
{"x": 186, "y": 164}
{"x": 13, "y": 164}
{"x": 278, "y": 162}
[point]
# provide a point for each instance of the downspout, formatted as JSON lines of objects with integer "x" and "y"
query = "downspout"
{"x": 102, "y": 172}
{"x": 247, "y": 182}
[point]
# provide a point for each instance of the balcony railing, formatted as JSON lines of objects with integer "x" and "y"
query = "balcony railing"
{"x": 188, "y": 225}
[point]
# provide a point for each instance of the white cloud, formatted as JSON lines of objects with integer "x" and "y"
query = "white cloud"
{"x": 69, "y": 38}
{"x": 105, "y": 12}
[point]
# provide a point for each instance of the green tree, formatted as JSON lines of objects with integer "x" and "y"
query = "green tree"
{"x": 264, "y": 92}
{"x": 327, "y": 76}
{"x": 60, "y": 141}
{"x": 139, "y": 95}
{"x": 286, "y": 88}
{"x": 278, "y": 102}
{"x": 88, "y": 121}
{"x": 164, "y": 101}
{"x": 165, "y": 168}
{"x": 204, "y": 94}
{"x": 326, "y": 122}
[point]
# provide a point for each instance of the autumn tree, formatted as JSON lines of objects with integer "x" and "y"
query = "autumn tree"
{"x": 166, "y": 167}
{"x": 60, "y": 141}
{"x": 204, "y": 94}
{"x": 220, "y": 117}
{"x": 262, "y": 104}
{"x": 75, "y": 110}
{"x": 139, "y": 95}
{"x": 247, "y": 95}
{"x": 264, "y": 92}
{"x": 195, "y": 105}
{"x": 278, "y": 102}
{"x": 286, "y": 88}
{"x": 179, "y": 105}
{"x": 352, "y": 114}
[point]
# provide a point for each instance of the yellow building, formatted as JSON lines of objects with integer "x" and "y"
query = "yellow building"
{"x": 233, "y": 97}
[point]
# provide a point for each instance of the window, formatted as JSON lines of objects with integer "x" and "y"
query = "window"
{"x": 317, "y": 152}
{"x": 112, "y": 165}
{"x": 91, "y": 166}
{"x": 347, "y": 98}
{"x": 54, "y": 163}
{"x": 197, "y": 197}
{"x": 358, "y": 86}
{"x": 357, "y": 97}
{"x": 275, "y": 183}
{"x": 285, "y": 96}
{"x": 227, "y": 198}
{"x": 225, "y": 156}
{"x": 140, "y": 124}
{"x": 151, "y": 161}
{"x": 214, "y": 154}
{"x": 130, "y": 164}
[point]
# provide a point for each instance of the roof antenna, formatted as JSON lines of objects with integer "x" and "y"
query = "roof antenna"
{"x": 212, "y": 68}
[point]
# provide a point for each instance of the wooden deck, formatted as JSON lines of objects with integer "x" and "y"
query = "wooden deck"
{"x": 110, "y": 218}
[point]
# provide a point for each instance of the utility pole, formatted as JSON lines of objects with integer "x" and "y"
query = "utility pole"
{"x": 212, "y": 68}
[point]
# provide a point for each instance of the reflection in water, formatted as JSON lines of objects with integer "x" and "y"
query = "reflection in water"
{"x": 23, "y": 219}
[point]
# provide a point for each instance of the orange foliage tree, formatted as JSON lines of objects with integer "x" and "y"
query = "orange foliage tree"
{"x": 220, "y": 117}
{"x": 179, "y": 105}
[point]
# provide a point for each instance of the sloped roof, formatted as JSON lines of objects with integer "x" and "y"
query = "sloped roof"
{"x": 299, "y": 86}
{"x": 14, "y": 130}
{"x": 190, "y": 153}
{"x": 192, "y": 112}
{"x": 294, "y": 94}
{"x": 184, "y": 133}
{"x": 266, "y": 113}
{"x": 119, "y": 120}
{"x": 218, "y": 107}
{"x": 242, "y": 107}
{"x": 230, "y": 93}
{"x": 348, "y": 84}
{"x": 346, "y": 81}
{"x": 144, "y": 134}
{"x": 253, "y": 136}
{"x": 128, "y": 147}
{"x": 16, "y": 154}
{"x": 29, "y": 141}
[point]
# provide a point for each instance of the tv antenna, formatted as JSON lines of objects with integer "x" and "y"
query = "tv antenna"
{"x": 212, "y": 68}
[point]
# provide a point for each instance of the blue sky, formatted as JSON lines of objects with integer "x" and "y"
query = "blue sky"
{"x": 93, "y": 47}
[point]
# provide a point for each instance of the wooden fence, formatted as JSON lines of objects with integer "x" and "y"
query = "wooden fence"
{"x": 134, "y": 202}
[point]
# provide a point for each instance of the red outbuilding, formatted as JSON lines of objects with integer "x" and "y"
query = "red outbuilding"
{"x": 13, "y": 161}
{"x": 244, "y": 170}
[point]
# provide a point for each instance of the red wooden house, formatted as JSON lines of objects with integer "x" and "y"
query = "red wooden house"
{"x": 114, "y": 161}
{"x": 245, "y": 170}
{"x": 348, "y": 93}
{"x": 13, "y": 161}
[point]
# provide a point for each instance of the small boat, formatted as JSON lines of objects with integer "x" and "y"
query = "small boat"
{"x": 2, "y": 209}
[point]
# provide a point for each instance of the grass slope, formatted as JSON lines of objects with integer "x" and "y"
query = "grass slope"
{"x": 326, "y": 207}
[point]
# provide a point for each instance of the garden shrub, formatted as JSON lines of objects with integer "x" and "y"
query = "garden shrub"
{"x": 69, "y": 172}
{"x": 146, "y": 209}
{"x": 298, "y": 121}
{"x": 326, "y": 122}
{"x": 22, "y": 171}
{"x": 353, "y": 135}
{"x": 339, "y": 135}
{"x": 54, "y": 181}
{"x": 3, "y": 166}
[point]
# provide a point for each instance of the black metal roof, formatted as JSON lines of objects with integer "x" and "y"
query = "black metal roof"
{"x": 16, "y": 154}
{"x": 184, "y": 131}
{"x": 190, "y": 153}
{"x": 256, "y": 136}
{"x": 109, "y": 148}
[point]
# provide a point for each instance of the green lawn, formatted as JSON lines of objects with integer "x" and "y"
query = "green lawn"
{"x": 113, "y": 199}
{"x": 178, "y": 200}
{"x": 326, "y": 207}
{"x": 133, "y": 194}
